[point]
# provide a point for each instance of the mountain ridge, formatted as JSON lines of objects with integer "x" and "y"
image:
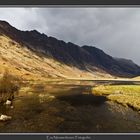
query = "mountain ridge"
{"x": 85, "y": 58}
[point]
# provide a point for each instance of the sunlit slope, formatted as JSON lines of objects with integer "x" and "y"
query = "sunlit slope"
{"x": 136, "y": 78}
{"x": 28, "y": 65}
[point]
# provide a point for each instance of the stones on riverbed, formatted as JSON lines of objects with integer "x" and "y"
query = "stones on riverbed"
{"x": 45, "y": 97}
{"x": 8, "y": 102}
{"x": 11, "y": 107}
{"x": 5, "y": 118}
{"x": 51, "y": 97}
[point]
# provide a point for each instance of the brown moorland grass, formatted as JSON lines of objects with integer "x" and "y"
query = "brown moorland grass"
{"x": 8, "y": 86}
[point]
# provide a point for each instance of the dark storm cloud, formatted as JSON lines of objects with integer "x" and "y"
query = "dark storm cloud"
{"x": 115, "y": 30}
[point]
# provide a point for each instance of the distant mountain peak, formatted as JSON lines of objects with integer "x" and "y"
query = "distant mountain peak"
{"x": 3, "y": 22}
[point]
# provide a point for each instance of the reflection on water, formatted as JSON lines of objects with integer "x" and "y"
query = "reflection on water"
{"x": 67, "y": 107}
{"x": 83, "y": 99}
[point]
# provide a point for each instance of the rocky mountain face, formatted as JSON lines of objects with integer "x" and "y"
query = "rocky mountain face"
{"x": 58, "y": 56}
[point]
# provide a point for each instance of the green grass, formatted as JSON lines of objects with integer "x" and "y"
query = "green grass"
{"x": 127, "y": 95}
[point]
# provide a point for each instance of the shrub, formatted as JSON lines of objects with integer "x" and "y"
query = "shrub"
{"x": 8, "y": 86}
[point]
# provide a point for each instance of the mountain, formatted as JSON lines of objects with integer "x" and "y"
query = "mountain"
{"x": 114, "y": 66}
{"x": 31, "y": 54}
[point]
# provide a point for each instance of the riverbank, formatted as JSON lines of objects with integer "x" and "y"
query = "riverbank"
{"x": 127, "y": 95}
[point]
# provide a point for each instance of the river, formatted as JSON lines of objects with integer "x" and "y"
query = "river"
{"x": 60, "y": 107}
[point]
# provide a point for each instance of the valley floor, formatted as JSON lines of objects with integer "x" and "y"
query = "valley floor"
{"x": 66, "y": 106}
{"x": 127, "y": 95}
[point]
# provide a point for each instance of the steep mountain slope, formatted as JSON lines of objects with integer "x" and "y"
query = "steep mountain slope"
{"x": 114, "y": 66}
{"x": 128, "y": 65}
{"x": 21, "y": 61}
{"x": 31, "y": 54}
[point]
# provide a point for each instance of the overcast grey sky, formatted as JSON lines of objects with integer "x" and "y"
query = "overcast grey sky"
{"x": 114, "y": 30}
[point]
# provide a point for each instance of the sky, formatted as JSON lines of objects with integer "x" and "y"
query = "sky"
{"x": 114, "y": 30}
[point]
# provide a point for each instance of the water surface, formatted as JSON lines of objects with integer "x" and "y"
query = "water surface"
{"x": 67, "y": 107}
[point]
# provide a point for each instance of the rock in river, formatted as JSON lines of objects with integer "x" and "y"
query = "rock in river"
{"x": 8, "y": 102}
{"x": 5, "y": 118}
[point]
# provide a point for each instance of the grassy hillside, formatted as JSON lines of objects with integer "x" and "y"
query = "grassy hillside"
{"x": 136, "y": 78}
{"x": 28, "y": 65}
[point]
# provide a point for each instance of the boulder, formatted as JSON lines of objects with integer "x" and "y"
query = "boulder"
{"x": 8, "y": 102}
{"x": 5, "y": 118}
